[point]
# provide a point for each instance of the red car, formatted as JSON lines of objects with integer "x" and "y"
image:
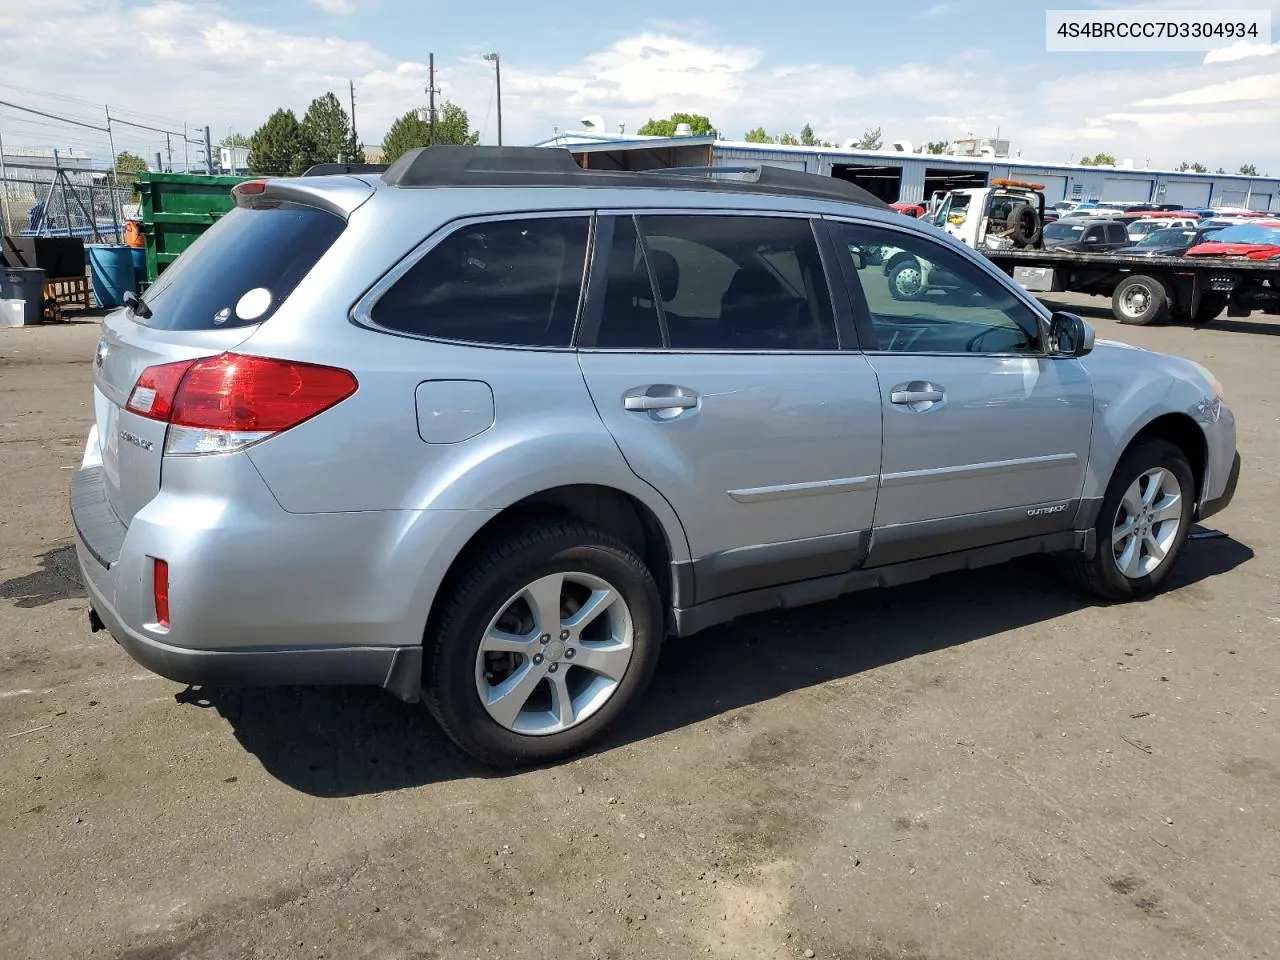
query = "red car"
{"x": 910, "y": 209}
{"x": 1257, "y": 240}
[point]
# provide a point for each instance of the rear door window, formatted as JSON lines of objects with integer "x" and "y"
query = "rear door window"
{"x": 507, "y": 282}
{"x": 240, "y": 270}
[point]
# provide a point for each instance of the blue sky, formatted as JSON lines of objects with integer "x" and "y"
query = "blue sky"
{"x": 918, "y": 70}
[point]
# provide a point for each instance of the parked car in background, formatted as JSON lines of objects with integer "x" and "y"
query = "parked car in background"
{"x": 1259, "y": 240}
{"x": 1086, "y": 235}
{"x": 1170, "y": 241}
{"x": 1140, "y": 228}
{"x": 389, "y": 430}
{"x": 909, "y": 209}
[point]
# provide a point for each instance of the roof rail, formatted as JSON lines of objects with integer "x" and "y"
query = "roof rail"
{"x": 457, "y": 166}
{"x": 328, "y": 169}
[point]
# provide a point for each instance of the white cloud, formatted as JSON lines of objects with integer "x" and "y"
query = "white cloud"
{"x": 937, "y": 10}
{"x": 335, "y": 6}
{"x": 1240, "y": 51}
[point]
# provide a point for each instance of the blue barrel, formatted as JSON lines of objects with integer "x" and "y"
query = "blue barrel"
{"x": 111, "y": 272}
{"x": 139, "y": 257}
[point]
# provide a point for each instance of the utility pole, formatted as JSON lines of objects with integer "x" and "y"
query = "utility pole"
{"x": 208, "y": 152}
{"x": 186, "y": 159}
{"x": 354, "y": 136}
{"x": 497, "y": 77}
{"x": 431, "y": 98}
{"x": 168, "y": 145}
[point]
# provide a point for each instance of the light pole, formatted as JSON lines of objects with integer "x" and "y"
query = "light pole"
{"x": 497, "y": 77}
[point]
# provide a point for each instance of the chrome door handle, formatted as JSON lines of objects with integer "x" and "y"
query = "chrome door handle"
{"x": 659, "y": 403}
{"x": 915, "y": 396}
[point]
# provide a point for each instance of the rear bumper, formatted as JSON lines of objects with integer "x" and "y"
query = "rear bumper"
{"x": 1222, "y": 501}
{"x": 397, "y": 669}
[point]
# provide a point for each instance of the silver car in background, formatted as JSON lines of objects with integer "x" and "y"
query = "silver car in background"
{"x": 486, "y": 429}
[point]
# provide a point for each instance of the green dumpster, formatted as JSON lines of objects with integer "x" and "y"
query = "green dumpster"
{"x": 176, "y": 209}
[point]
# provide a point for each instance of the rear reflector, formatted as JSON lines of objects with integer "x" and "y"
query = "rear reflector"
{"x": 160, "y": 579}
{"x": 230, "y": 400}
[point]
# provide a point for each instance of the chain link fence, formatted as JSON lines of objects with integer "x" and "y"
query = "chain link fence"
{"x": 41, "y": 199}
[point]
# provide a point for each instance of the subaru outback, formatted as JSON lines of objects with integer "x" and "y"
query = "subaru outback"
{"x": 487, "y": 428}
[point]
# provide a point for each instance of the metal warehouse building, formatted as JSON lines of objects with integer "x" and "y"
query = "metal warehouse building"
{"x": 914, "y": 177}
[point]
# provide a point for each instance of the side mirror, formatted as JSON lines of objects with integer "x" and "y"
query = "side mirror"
{"x": 1070, "y": 335}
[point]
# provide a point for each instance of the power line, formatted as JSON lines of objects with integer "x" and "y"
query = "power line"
{"x": 51, "y": 116}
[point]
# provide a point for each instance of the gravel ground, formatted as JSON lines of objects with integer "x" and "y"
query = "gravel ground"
{"x": 984, "y": 765}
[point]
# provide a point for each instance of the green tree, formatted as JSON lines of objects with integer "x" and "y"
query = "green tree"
{"x": 235, "y": 141}
{"x": 1185, "y": 167}
{"x": 127, "y": 164}
{"x": 413, "y": 130}
{"x": 871, "y": 140}
{"x": 278, "y": 147}
{"x": 1220, "y": 170}
{"x": 807, "y": 138}
{"x": 937, "y": 147}
{"x": 758, "y": 136}
{"x": 326, "y": 130}
{"x": 698, "y": 123}
{"x": 1248, "y": 170}
{"x": 1098, "y": 160}
{"x": 789, "y": 139}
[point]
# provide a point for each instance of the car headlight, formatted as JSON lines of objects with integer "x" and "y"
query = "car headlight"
{"x": 1210, "y": 379}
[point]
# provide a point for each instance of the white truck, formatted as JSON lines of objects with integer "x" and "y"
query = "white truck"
{"x": 1005, "y": 222}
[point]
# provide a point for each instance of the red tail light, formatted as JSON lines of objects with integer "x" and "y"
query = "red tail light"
{"x": 160, "y": 581}
{"x": 237, "y": 393}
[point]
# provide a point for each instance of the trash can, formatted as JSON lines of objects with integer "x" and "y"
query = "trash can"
{"x": 111, "y": 272}
{"x": 25, "y": 283}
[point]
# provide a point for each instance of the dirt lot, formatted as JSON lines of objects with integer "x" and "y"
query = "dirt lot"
{"x": 982, "y": 766}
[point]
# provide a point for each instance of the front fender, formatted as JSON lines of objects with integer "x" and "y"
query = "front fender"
{"x": 1131, "y": 390}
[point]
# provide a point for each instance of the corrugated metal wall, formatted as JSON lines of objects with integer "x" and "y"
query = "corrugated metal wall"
{"x": 1061, "y": 182}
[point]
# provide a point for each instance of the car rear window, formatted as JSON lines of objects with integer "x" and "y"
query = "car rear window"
{"x": 1063, "y": 231}
{"x": 240, "y": 270}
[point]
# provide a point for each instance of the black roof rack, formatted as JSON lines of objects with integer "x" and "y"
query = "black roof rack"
{"x": 329, "y": 169}
{"x": 456, "y": 166}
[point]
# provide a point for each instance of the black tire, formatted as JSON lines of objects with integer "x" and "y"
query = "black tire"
{"x": 449, "y": 688}
{"x": 900, "y": 276}
{"x": 1140, "y": 300}
{"x": 1101, "y": 574}
{"x": 1211, "y": 306}
{"x": 1024, "y": 226}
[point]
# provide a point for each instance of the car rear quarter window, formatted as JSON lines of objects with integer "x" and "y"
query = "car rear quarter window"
{"x": 510, "y": 282}
{"x": 240, "y": 270}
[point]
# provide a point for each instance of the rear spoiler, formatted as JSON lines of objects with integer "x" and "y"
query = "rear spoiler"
{"x": 330, "y": 169}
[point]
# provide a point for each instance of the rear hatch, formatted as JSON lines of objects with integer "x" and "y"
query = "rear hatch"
{"x": 213, "y": 297}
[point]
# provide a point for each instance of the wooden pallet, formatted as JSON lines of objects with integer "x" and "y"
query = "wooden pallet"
{"x": 70, "y": 290}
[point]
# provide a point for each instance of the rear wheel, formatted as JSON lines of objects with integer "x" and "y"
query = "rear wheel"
{"x": 1139, "y": 300}
{"x": 545, "y": 642}
{"x": 1211, "y": 305}
{"x": 1143, "y": 523}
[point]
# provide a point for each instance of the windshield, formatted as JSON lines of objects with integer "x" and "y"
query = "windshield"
{"x": 1247, "y": 233}
{"x": 1174, "y": 237}
{"x": 1064, "y": 231}
{"x": 1141, "y": 229}
{"x": 241, "y": 269}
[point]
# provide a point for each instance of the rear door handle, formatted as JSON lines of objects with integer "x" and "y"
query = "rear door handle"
{"x": 659, "y": 403}
{"x": 915, "y": 396}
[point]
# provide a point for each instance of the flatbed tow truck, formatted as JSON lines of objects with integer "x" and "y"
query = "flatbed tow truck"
{"x": 1004, "y": 222}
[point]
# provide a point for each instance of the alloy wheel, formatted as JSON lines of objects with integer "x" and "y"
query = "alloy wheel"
{"x": 554, "y": 654}
{"x": 1146, "y": 523}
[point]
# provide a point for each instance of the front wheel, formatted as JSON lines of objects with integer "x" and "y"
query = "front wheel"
{"x": 547, "y": 640}
{"x": 906, "y": 279}
{"x": 1143, "y": 523}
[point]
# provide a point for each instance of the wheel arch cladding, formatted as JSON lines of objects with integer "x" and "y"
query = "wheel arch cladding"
{"x": 614, "y": 511}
